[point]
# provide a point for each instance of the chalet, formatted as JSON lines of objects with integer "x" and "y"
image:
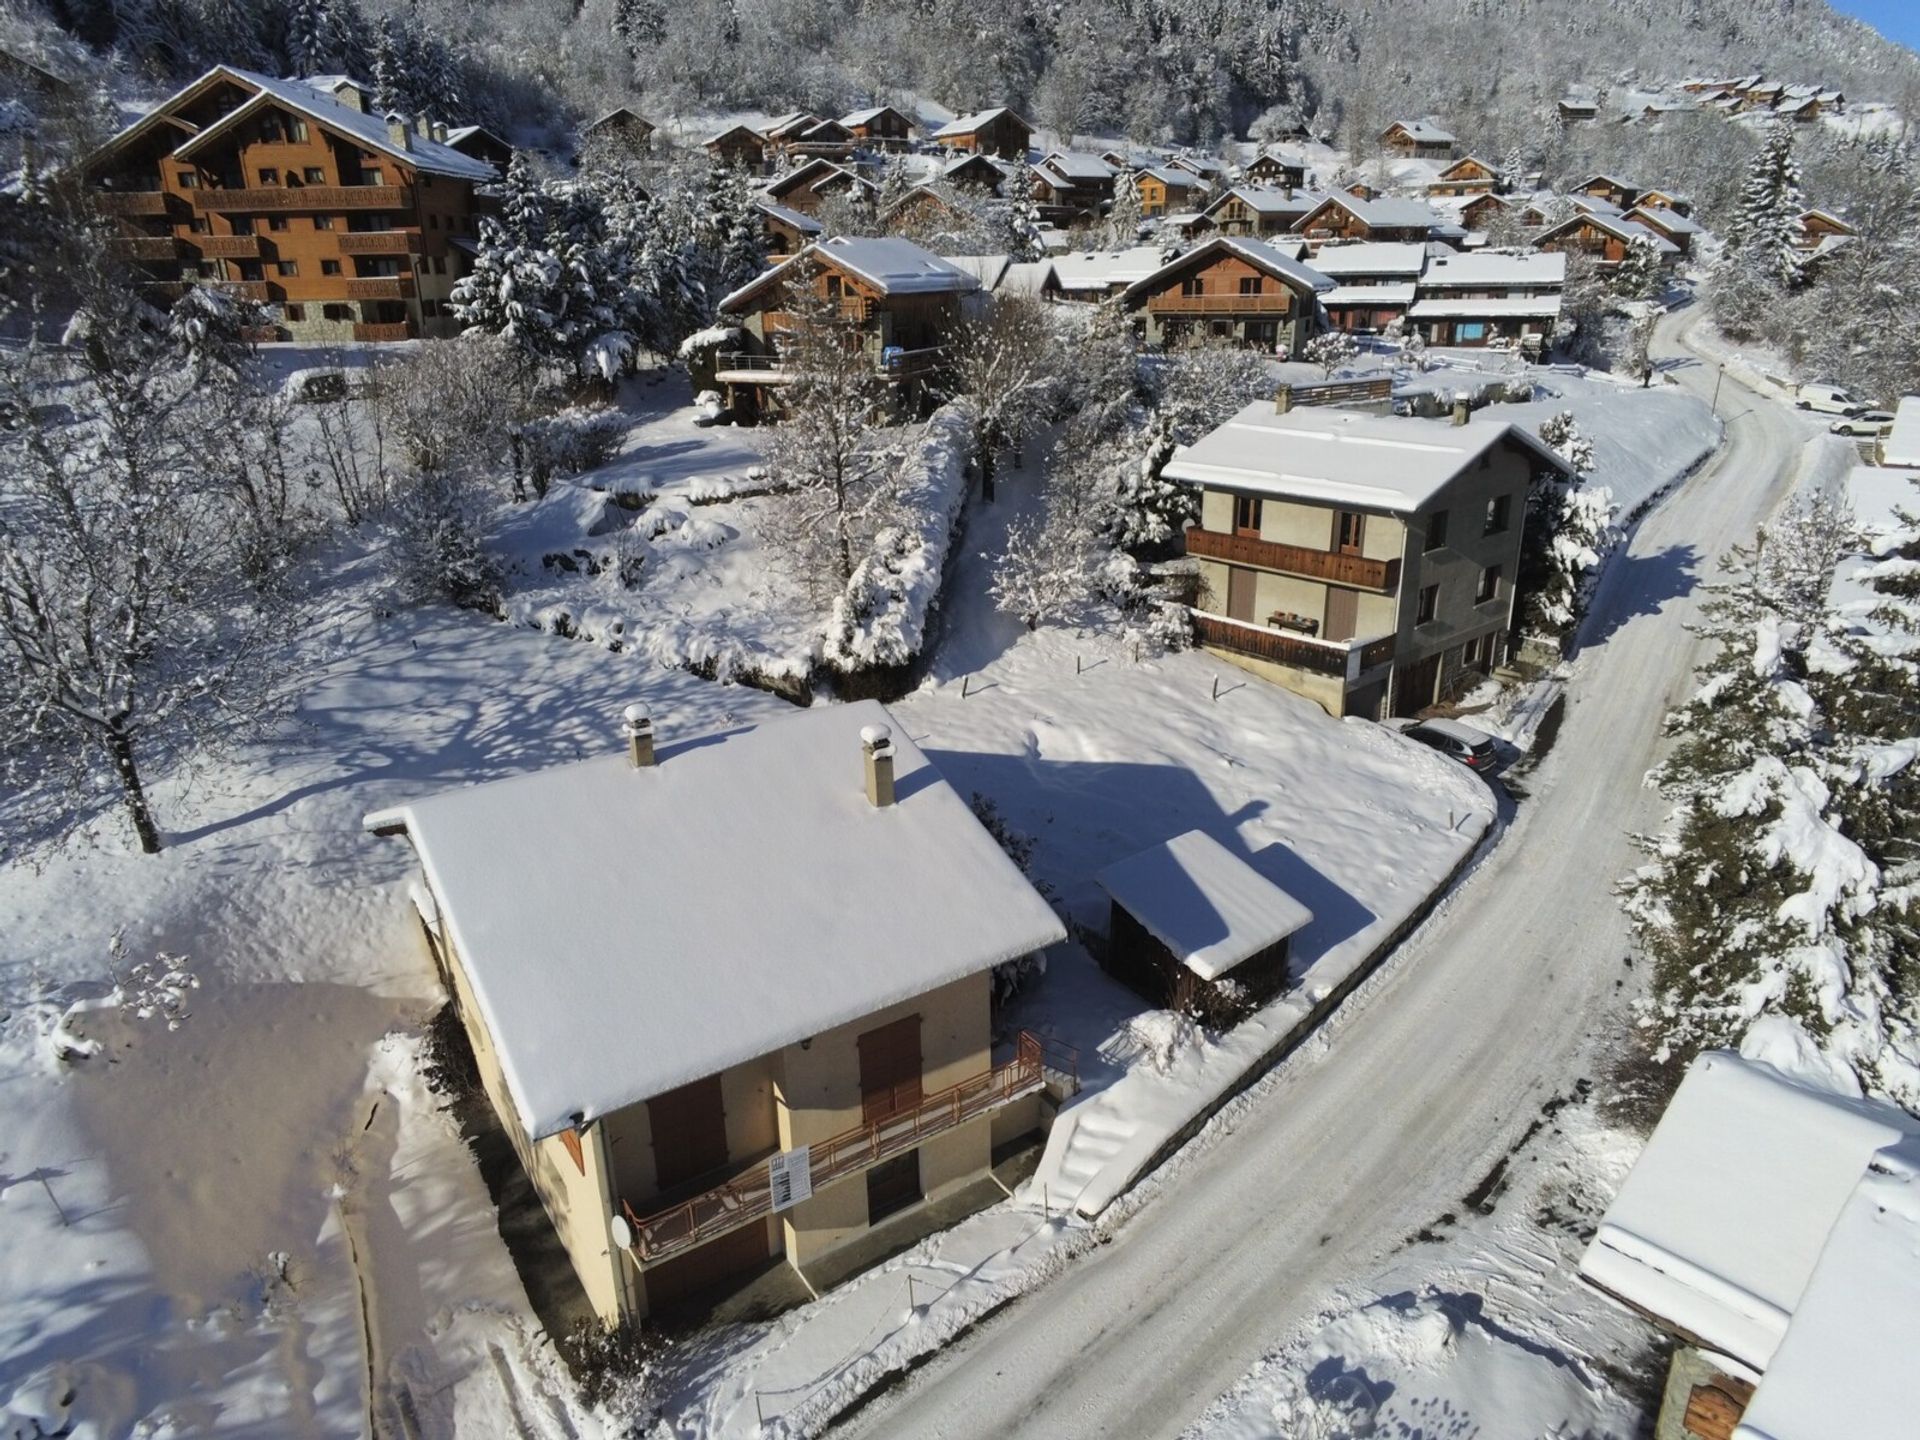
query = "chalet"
{"x": 693, "y": 1086}
{"x": 880, "y": 127}
{"x": 1094, "y": 275}
{"x": 1255, "y": 210}
{"x": 344, "y": 225}
{"x": 740, "y": 146}
{"x": 1270, "y": 167}
{"x": 481, "y": 144}
{"x": 1772, "y": 1229}
{"x": 975, "y": 172}
{"x": 1003, "y": 275}
{"x": 1670, "y": 225}
{"x": 1194, "y": 927}
{"x": 1576, "y": 112}
{"x": 1164, "y": 190}
{"x": 1469, "y": 175}
{"x": 987, "y": 132}
{"x": 1417, "y": 140}
{"x": 1762, "y": 95}
{"x": 1374, "y": 284}
{"x": 1817, "y": 227}
{"x": 1800, "y": 111}
{"x": 1360, "y": 190}
{"x": 1230, "y": 288}
{"x": 1366, "y": 562}
{"x": 903, "y": 300}
{"x": 1208, "y": 169}
{"x": 805, "y": 188}
{"x": 783, "y": 130}
{"x": 620, "y": 129}
{"x": 1128, "y": 160}
{"x": 1069, "y": 186}
{"x": 1347, "y": 217}
{"x": 1618, "y": 193}
{"x": 1473, "y": 300}
{"x": 787, "y": 231}
{"x": 1605, "y": 237}
{"x": 824, "y": 139}
{"x": 1664, "y": 200}
{"x": 1477, "y": 212}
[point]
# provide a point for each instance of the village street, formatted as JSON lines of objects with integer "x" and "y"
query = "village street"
{"x": 1434, "y": 1071}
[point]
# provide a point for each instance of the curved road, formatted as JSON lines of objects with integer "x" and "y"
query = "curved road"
{"x": 1437, "y": 1066}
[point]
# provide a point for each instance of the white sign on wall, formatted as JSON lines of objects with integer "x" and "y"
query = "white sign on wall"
{"x": 790, "y": 1177}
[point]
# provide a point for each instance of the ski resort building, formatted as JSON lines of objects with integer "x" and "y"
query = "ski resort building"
{"x": 1365, "y": 562}
{"x": 1229, "y": 288}
{"x": 344, "y": 225}
{"x": 697, "y": 1086}
{"x": 1773, "y": 1230}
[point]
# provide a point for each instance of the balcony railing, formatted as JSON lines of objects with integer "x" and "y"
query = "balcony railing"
{"x": 1382, "y": 576}
{"x": 230, "y": 247}
{"x": 1266, "y": 302}
{"x": 379, "y": 242}
{"x": 389, "y": 330}
{"x": 749, "y": 1196}
{"x": 307, "y": 197}
{"x": 1349, "y": 659}
{"x": 750, "y": 366}
{"x": 257, "y": 290}
{"x": 149, "y": 247}
{"x": 132, "y": 202}
{"x": 380, "y": 287}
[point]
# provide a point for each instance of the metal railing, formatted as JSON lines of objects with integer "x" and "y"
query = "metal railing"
{"x": 1358, "y": 571}
{"x": 749, "y": 1196}
{"x": 1346, "y": 658}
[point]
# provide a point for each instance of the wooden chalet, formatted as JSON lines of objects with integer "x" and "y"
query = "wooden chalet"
{"x": 1417, "y": 140}
{"x": 344, "y": 225}
{"x": 1480, "y": 211}
{"x": 1163, "y": 190}
{"x": 1618, "y": 193}
{"x": 783, "y": 130}
{"x": 1490, "y": 298}
{"x": 1270, "y": 167}
{"x": 1816, "y": 227}
{"x": 787, "y": 231}
{"x": 1230, "y": 288}
{"x": 987, "y": 132}
{"x": 1348, "y": 217}
{"x": 1576, "y": 112}
{"x": 1603, "y": 236}
{"x": 903, "y": 300}
{"x": 1212, "y": 171}
{"x": 1468, "y": 175}
{"x": 880, "y": 127}
{"x": 1670, "y": 225}
{"x": 1260, "y": 211}
{"x": 976, "y": 172}
{"x": 1374, "y": 284}
{"x": 481, "y": 143}
{"x": 1070, "y": 186}
{"x": 1664, "y": 200}
{"x": 824, "y": 140}
{"x": 740, "y": 146}
{"x": 804, "y": 188}
{"x": 620, "y": 129}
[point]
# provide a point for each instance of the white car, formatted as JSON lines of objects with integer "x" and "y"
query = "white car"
{"x": 1828, "y": 399}
{"x": 1867, "y": 425}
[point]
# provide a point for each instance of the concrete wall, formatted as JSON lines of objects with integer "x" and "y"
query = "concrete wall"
{"x": 1326, "y": 691}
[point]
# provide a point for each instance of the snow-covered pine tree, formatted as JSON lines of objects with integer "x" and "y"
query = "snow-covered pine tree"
{"x": 1569, "y": 526}
{"x": 1639, "y": 275}
{"x": 1123, "y": 219}
{"x": 1767, "y": 219}
{"x": 639, "y": 23}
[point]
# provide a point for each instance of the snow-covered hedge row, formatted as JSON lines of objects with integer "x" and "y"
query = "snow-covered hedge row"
{"x": 881, "y": 618}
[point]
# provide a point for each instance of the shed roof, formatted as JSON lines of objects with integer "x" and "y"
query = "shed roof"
{"x": 979, "y": 119}
{"x": 1078, "y": 166}
{"x": 1422, "y": 131}
{"x": 1271, "y": 200}
{"x": 1495, "y": 307}
{"x": 629, "y": 931}
{"x": 1203, "y": 902}
{"x": 1375, "y": 295}
{"x": 1104, "y": 269}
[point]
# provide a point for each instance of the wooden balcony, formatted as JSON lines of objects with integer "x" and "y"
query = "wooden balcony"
{"x": 256, "y": 290}
{"x": 391, "y": 330}
{"x": 1380, "y": 576}
{"x": 1349, "y": 659}
{"x": 307, "y": 197}
{"x": 380, "y": 287}
{"x": 379, "y": 242}
{"x": 749, "y": 1196}
{"x": 1267, "y": 302}
{"x": 231, "y": 247}
{"x": 132, "y": 202}
{"x": 149, "y": 247}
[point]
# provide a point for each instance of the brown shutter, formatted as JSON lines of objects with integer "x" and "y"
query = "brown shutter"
{"x": 890, "y": 1069}
{"x": 689, "y": 1128}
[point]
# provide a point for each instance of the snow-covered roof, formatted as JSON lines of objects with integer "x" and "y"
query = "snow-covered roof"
{"x": 1199, "y": 164}
{"x": 787, "y": 215}
{"x": 626, "y": 931}
{"x": 1282, "y": 266}
{"x": 1503, "y": 307}
{"x": 321, "y": 105}
{"x": 732, "y": 130}
{"x": 886, "y": 262}
{"x": 1595, "y": 205}
{"x": 1450, "y": 271}
{"x": 1271, "y": 200}
{"x": 1377, "y": 295}
{"x": 1845, "y": 1368}
{"x": 620, "y": 112}
{"x": 1371, "y": 257}
{"x": 1619, "y": 226}
{"x": 1026, "y": 277}
{"x": 1387, "y": 211}
{"x": 1902, "y": 445}
{"x": 812, "y": 175}
{"x": 868, "y": 116}
{"x": 967, "y": 124}
{"x": 1077, "y": 166}
{"x": 1342, "y": 457}
{"x": 1172, "y": 178}
{"x": 1420, "y": 130}
{"x": 1661, "y": 216}
{"x": 1203, "y": 902}
{"x": 781, "y": 126}
{"x": 1723, "y": 1217}
{"x": 1077, "y": 270}
{"x": 988, "y": 270}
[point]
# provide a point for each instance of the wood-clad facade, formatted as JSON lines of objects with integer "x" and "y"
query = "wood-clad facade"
{"x": 999, "y": 132}
{"x": 1216, "y": 293}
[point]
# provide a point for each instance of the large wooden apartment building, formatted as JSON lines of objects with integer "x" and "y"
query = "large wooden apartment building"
{"x": 344, "y": 224}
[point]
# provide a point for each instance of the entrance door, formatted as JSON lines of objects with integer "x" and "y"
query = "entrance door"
{"x": 892, "y": 1186}
{"x": 689, "y": 1128}
{"x": 890, "y": 1069}
{"x": 1413, "y": 685}
{"x": 1343, "y": 613}
{"x": 1240, "y": 592}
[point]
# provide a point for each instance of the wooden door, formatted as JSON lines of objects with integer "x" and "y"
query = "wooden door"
{"x": 689, "y": 1128}
{"x": 892, "y": 1186}
{"x": 890, "y": 1069}
{"x": 1343, "y": 613}
{"x": 1240, "y": 592}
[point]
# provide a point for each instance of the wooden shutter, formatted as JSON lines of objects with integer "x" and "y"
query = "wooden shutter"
{"x": 689, "y": 1132}
{"x": 1343, "y": 613}
{"x": 890, "y": 1069}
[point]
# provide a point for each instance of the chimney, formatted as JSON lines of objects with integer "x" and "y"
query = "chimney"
{"x": 1462, "y": 407}
{"x": 440, "y": 131}
{"x": 636, "y": 723}
{"x": 1283, "y": 400}
{"x": 351, "y": 96}
{"x": 876, "y": 744}
{"x": 423, "y": 127}
{"x": 397, "y": 133}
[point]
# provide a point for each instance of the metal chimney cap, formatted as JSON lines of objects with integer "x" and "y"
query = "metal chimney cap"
{"x": 875, "y": 736}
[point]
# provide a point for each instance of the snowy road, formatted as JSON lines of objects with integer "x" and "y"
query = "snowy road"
{"x": 1435, "y": 1070}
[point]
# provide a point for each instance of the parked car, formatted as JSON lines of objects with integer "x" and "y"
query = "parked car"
{"x": 1868, "y": 424}
{"x": 1828, "y": 399}
{"x": 1472, "y": 748}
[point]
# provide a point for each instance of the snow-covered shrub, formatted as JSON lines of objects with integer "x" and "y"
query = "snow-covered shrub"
{"x": 567, "y": 443}
{"x": 437, "y": 524}
{"x": 1330, "y": 350}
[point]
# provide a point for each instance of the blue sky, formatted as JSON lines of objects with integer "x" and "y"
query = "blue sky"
{"x": 1895, "y": 19}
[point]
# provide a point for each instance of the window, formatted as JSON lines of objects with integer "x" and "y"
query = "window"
{"x": 289, "y": 269}
{"x": 296, "y": 312}
{"x": 1497, "y": 509}
{"x": 1489, "y": 585}
{"x": 323, "y": 222}
{"x": 1436, "y": 530}
{"x": 189, "y": 179}
{"x": 337, "y": 312}
{"x": 1246, "y": 515}
{"x": 300, "y": 133}
{"x": 373, "y": 176}
{"x": 269, "y": 175}
{"x": 276, "y": 222}
{"x": 314, "y": 175}
{"x": 1194, "y": 285}
{"x": 243, "y": 225}
{"x": 200, "y": 225}
{"x": 1429, "y": 605}
{"x": 1251, "y": 284}
{"x": 270, "y": 132}
{"x": 1349, "y": 529}
{"x": 329, "y": 267}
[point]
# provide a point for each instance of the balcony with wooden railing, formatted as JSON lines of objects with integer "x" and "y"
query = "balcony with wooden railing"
{"x": 1348, "y": 659}
{"x": 380, "y": 287}
{"x": 1262, "y": 302}
{"x": 231, "y": 247}
{"x": 149, "y": 247}
{"x": 748, "y": 1197}
{"x": 306, "y": 197}
{"x": 1380, "y": 576}
{"x": 379, "y": 242}
{"x": 256, "y": 290}
{"x": 382, "y": 330}
{"x": 743, "y": 367}
{"x": 133, "y": 202}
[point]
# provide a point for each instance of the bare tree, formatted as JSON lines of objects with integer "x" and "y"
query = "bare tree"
{"x": 1007, "y": 362}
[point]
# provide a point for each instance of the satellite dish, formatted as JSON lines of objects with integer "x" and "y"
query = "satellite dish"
{"x": 621, "y": 1231}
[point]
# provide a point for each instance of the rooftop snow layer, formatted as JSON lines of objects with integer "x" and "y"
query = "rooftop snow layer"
{"x": 627, "y": 931}
{"x": 1719, "y": 1225}
{"x": 1903, "y": 440}
{"x": 1203, "y": 902}
{"x": 1272, "y": 200}
{"x": 1340, "y": 457}
{"x": 1281, "y": 264}
{"x": 1501, "y": 307}
{"x": 891, "y": 265}
{"x": 1545, "y": 268}
{"x": 1103, "y": 269}
{"x": 799, "y": 220}
{"x": 1401, "y": 294}
{"x": 1388, "y": 211}
{"x": 1422, "y": 131}
{"x": 1078, "y": 167}
{"x": 1371, "y": 257}
{"x": 967, "y": 124}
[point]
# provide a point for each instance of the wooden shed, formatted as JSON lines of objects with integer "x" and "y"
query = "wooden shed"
{"x": 1195, "y": 928}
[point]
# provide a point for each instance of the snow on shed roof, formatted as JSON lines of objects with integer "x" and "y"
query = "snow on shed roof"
{"x": 1371, "y": 257}
{"x": 1282, "y": 266}
{"x": 1203, "y": 902}
{"x": 1103, "y": 269}
{"x": 1375, "y": 295}
{"x": 1902, "y": 446}
{"x": 1172, "y": 178}
{"x": 1445, "y": 271}
{"x": 1341, "y": 457}
{"x": 1722, "y": 1219}
{"x": 787, "y": 215}
{"x": 891, "y": 265}
{"x": 1387, "y": 211}
{"x": 629, "y": 931}
{"x": 989, "y": 270}
{"x": 1663, "y": 218}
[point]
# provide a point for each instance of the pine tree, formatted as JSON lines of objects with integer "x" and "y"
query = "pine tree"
{"x": 1569, "y": 526}
{"x": 1767, "y": 219}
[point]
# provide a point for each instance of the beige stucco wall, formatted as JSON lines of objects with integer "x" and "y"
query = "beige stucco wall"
{"x": 1216, "y": 511}
{"x": 1289, "y": 593}
{"x": 1326, "y": 691}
